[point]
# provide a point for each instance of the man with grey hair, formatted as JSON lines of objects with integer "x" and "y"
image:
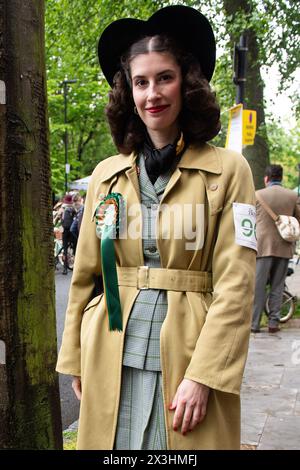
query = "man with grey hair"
{"x": 273, "y": 253}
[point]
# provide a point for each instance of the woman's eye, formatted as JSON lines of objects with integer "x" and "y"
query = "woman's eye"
{"x": 165, "y": 77}
{"x": 140, "y": 83}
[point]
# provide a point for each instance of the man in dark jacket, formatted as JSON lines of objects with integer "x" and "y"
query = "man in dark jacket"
{"x": 273, "y": 253}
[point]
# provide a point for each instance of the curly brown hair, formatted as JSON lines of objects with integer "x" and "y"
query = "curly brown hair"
{"x": 199, "y": 118}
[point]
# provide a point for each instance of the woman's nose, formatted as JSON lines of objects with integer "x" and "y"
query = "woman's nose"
{"x": 153, "y": 92}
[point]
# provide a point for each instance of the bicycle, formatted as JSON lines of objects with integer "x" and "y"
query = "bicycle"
{"x": 59, "y": 256}
{"x": 288, "y": 305}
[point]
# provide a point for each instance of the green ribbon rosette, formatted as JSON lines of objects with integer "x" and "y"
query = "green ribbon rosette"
{"x": 108, "y": 215}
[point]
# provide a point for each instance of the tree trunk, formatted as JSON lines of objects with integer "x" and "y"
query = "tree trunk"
{"x": 29, "y": 395}
{"x": 257, "y": 154}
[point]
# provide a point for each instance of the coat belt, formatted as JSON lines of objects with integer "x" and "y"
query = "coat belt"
{"x": 183, "y": 280}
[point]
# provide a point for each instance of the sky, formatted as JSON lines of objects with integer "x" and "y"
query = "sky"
{"x": 280, "y": 105}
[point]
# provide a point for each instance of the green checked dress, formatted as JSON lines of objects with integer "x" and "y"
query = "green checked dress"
{"x": 141, "y": 422}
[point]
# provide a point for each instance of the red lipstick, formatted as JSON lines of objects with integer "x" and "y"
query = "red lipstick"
{"x": 157, "y": 109}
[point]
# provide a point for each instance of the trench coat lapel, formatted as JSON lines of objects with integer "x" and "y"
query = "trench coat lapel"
{"x": 161, "y": 183}
{"x": 205, "y": 158}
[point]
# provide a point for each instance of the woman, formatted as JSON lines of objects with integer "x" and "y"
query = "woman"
{"x": 158, "y": 358}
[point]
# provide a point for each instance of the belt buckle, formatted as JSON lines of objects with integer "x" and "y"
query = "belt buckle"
{"x": 143, "y": 277}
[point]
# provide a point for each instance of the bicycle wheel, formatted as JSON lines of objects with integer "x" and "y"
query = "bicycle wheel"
{"x": 57, "y": 252}
{"x": 70, "y": 255}
{"x": 288, "y": 306}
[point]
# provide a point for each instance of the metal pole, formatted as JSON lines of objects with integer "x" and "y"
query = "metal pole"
{"x": 66, "y": 135}
{"x": 65, "y": 85}
{"x": 239, "y": 78}
{"x": 298, "y": 179}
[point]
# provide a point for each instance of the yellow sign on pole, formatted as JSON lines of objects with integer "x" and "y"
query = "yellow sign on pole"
{"x": 235, "y": 128}
{"x": 241, "y": 128}
{"x": 249, "y": 126}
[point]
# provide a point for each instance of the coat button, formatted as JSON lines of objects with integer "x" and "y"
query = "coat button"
{"x": 213, "y": 187}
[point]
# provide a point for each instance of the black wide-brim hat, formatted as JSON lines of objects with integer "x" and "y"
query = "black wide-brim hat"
{"x": 188, "y": 26}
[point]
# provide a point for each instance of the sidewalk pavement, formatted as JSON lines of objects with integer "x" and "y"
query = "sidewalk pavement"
{"x": 271, "y": 386}
{"x": 271, "y": 391}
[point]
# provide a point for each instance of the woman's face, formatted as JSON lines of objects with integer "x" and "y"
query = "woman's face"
{"x": 156, "y": 88}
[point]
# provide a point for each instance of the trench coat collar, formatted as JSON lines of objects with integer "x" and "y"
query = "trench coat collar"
{"x": 204, "y": 158}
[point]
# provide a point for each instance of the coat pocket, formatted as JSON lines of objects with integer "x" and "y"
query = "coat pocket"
{"x": 92, "y": 303}
{"x": 214, "y": 192}
{"x": 89, "y": 317}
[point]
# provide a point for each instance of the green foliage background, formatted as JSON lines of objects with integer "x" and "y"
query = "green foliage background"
{"x": 72, "y": 31}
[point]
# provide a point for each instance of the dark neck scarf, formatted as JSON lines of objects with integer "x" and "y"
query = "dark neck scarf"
{"x": 159, "y": 161}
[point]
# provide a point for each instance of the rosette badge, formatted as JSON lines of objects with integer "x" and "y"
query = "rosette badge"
{"x": 109, "y": 215}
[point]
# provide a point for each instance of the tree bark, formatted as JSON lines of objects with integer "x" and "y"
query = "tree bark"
{"x": 29, "y": 404}
{"x": 257, "y": 154}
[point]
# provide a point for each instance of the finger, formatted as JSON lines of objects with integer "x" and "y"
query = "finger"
{"x": 174, "y": 402}
{"x": 76, "y": 385}
{"x": 78, "y": 393}
{"x": 199, "y": 414}
{"x": 196, "y": 417}
{"x": 203, "y": 411}
{"x": 186, "y": 419}
{"x": 177, "y": 420}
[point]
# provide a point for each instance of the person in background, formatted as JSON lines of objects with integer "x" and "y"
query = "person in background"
{"x": 75, "y": 227}
{"x": 67, "y": 218}
{"x": 57, "y": 219}
{"x": 57, "y": 214}
{"x": 273, "y": 252}
{"x": 80, "y": 215}
{"x": 158, "y": 358}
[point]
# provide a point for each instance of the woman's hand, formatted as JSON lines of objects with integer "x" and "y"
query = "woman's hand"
{"x": 76, "y": 385}
{"x": 189, "y": 403}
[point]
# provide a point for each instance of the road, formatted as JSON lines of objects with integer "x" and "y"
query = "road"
{"x": 69, "y": 403}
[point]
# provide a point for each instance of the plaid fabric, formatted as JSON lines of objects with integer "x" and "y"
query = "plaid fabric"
{"x": 141, "y": 349}
{"x": 141, "y": 423}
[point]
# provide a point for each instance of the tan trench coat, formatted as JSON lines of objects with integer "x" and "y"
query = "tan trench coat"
{"x": 204, "y": 336}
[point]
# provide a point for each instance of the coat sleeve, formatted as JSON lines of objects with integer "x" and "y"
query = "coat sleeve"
{"x": 221, "y": 350}
{"x": 86, "y": 268}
